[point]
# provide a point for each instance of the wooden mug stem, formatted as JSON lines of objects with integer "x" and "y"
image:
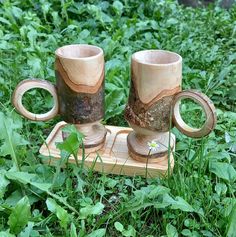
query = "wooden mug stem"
{"x": 28, "y": 84}
{"x": 205, "y": 103}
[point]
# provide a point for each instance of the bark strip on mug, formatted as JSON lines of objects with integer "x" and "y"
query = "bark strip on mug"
{"x": 79, "y": 108}
{"x": 155, "y": 79}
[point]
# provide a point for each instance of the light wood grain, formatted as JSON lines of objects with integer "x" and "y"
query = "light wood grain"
{"x": 81, "y": 66}
{"x": 208, "y": 108}
{"x": 113, "y": 157}
{"x": 140, "y": 150}
{"x": 155, "y": 71}
{"x": 154, "y": 98}
{"x": 29, "y": 84}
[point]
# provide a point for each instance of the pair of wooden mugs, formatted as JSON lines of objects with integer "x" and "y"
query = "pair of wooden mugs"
{"x": 152, "y": 108}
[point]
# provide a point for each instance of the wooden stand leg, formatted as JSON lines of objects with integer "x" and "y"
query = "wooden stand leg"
{"x": 138, "y": 146}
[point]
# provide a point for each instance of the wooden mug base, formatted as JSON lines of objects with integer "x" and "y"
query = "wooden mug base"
{"x": 140, "y": 150}
{"x": 95, "y": 135}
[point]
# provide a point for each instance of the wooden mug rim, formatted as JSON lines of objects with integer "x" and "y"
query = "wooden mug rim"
{"x": 87, "y": 58}
{"x": 134, "y": 58}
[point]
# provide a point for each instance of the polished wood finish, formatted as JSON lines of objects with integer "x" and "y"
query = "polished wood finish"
{"x": 155, "y": 94}
{"x": 113, "y": 156}
{"x": 155, "y": 74}
{"x": 80, "y": 83}
{"x": 140, "y": 150}
{"x": 81, "y": 67}
{"x": 79, "y": 93}
{"x": 208, "y": 108}
{"x": 29, "y": 84}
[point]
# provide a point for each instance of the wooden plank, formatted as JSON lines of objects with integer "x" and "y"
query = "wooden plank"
{"x": 113, "y": 158}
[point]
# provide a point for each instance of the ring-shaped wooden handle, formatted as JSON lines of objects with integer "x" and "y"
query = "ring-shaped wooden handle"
{"x": 205, "y": 103}
{"x": 28, "y": 84}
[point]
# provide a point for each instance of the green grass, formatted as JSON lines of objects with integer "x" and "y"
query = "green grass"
{"x": 38, "y": 200}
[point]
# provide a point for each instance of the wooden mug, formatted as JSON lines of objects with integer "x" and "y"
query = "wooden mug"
{"x": 154, "y": 99}
{"x": 78, "y": 94}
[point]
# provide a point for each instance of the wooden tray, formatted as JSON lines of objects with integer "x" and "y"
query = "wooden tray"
{"x": 113, "y": 157}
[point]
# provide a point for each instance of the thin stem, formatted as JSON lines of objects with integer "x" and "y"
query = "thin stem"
{"x": 146, "y": 170}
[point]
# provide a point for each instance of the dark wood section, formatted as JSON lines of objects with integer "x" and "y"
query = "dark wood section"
{"x": 79, "y": 108}
{"x": 154, "y": 117}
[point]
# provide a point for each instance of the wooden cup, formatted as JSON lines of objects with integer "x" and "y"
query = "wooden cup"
{"x": 153, "y": 104}
{"x": 78, "y": 94}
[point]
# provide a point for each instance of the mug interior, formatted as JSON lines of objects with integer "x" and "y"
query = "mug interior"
{"x": 156, "y": 57}
{"x": 78, "y": 51}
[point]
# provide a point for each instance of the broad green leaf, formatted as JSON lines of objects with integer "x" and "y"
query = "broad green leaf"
{"x": 229, "y": 204}
{"x": 14, "y": 198}
{"x": 171, "y": 231}
{"x": 157, "y": 190}
{"x": 3, "y": 183}
{"x": 42, "y": 186}
{"x": 3, "y": 20}
{"x": 150, "y": 192}
{"x": 35, "y": 64}
{"x": 186, "y": 232}
{"x": 97, "y": 233}
{"x": 17, "y": 12}
{"x": 28, "y": 231}
{"x": 10, "y": 137}
{"x": 207, "y": 233}
{"x": 73, "y": 232}
{"x": 221, "y": 189}
{"x": 231, "y": 227}
{"x": 118, "y": 110}
{"x": 119, "y": 226}
{"x": 177, "y": 203}
{"x": 60, "y": 212}
{"x": 19, "y": 216}
{"x": 6, "y": 234}
{"x": 130, "y": 232}
{"x": 223, "y": 170}
{"x": 113, "y": 100}
{"x": 91, "y": 210}
{"x": 118, "y": 6}
{"x": 27, "y": 178}
{"x": 84, "y": 34}
{"x": 72, "y": 143}
{"x": 22, "y": 177}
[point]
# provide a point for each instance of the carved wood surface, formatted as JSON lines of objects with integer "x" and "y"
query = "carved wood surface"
{"x": 83, "y": 88}
{"x": 81, "y": 65}
{"x": 113, "y": 156}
